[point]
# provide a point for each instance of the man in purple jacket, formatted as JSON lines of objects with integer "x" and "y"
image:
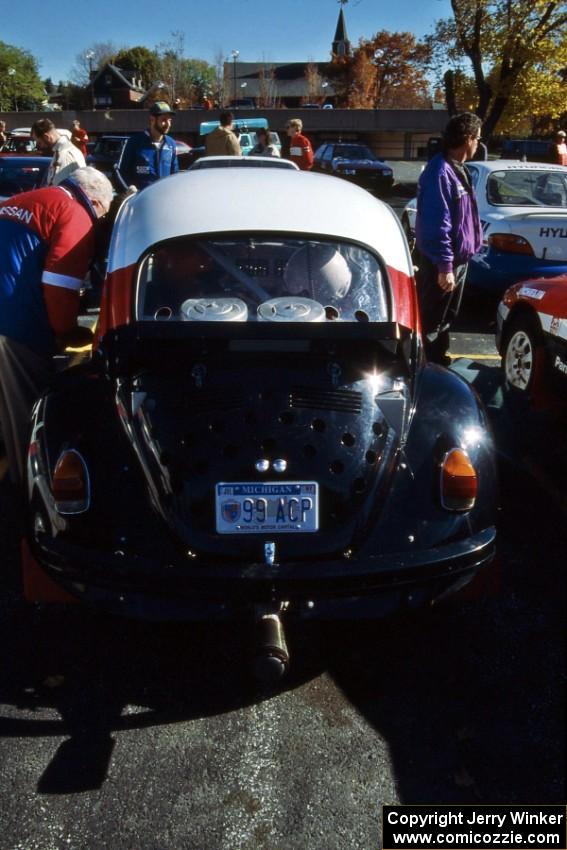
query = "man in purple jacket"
{"x": 448, "y": 232}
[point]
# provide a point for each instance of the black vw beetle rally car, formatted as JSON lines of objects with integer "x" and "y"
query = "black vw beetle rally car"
{"x": 257, "y": 433}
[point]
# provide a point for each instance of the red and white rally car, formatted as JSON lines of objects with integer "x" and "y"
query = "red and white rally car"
{"x": 532, "y": 338}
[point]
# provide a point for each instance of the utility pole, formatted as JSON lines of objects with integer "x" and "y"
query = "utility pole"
{"x": 235, "y": 54}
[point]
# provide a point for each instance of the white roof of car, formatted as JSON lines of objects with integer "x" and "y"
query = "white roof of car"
{"x": 26, "y": 131}
{"x": 516, "y": 165}
{"x": 225, "y": 200}
{"x": 245, "y": 161}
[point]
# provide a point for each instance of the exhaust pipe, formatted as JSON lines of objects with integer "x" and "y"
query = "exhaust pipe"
{"x": 272, "y": 656}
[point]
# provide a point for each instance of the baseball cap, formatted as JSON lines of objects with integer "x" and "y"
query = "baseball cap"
{"x": 560, "y": 133}
{"x": 160, "y": 107}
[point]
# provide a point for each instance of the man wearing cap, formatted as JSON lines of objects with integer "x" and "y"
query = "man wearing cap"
{"x": 558, "y": 149}
{"x": 150, "y": 155}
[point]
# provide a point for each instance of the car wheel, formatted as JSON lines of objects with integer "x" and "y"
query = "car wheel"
{"x": 523, "y": 358}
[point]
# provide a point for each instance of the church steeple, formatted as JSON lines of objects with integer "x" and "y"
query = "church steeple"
{"x": 341, "y": 44}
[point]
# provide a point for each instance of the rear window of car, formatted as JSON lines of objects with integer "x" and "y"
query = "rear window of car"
{"x": 527, "y": 188}
{"x": 19, "y": 145}
{"x": 109, "y": 147}
{"x": 261, "y": 278}
{"x": 354, "y": 152}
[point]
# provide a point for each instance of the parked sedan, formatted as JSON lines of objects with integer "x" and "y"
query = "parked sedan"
{"x": 356, "y": 163}
{"x": 532, "y": 338}
{"x": 21, "y": 173}
{"x": 523, "y": 209}
{"x": 258, "y": 436}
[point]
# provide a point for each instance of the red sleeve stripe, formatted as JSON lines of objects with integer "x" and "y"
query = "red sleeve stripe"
{"x": 67, "y": 282}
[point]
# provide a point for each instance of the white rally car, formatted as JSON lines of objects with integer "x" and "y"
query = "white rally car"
{"x": 523, "y": 209}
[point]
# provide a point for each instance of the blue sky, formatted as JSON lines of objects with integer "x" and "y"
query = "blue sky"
{"x": 271, "y": 31}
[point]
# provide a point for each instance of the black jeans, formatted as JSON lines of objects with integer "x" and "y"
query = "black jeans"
{"x": 438, "y": 309}
{"x": 23, "y": 376}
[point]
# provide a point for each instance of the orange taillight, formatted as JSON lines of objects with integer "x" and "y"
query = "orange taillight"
{"x": 70, "y": 484}
{"x": 509, "y": 243}
{"x": 458, "y": 481}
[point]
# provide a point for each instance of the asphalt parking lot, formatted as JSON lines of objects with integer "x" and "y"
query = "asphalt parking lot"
{"x": 123, "y": 734}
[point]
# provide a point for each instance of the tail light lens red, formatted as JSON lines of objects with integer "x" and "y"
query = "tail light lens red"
{"x": 459, "y": 482}
{"x": 509, "y": 243}
{"x": 70, "y": 484}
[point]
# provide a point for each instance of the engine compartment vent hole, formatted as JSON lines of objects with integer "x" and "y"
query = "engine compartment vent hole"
{"x": 287, "y": 418}
{"x": 337, "y": 467}
{"x": 318, "y": 425}
{"x": 348, "y": 440}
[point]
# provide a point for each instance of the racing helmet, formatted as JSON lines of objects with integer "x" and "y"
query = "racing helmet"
{"x": 320, "y": 270}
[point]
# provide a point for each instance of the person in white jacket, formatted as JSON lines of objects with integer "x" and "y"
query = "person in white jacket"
{"x": 66, "y": 157}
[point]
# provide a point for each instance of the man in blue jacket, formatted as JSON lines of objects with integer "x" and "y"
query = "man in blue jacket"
{"x": 448, "y": 233}
{"x": 150, "y": 155}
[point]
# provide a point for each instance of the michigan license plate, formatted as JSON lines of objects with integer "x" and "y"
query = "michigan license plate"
{"x": 267, "y": 507}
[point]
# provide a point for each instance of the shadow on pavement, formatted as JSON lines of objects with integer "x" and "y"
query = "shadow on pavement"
{"x": 469, "y": 697}
{"x": 72, "y": 672}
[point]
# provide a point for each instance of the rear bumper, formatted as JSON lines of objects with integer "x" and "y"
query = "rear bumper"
{"x": 374, "y": 587}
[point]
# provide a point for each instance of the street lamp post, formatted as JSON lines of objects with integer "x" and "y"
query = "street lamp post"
{"x": 235, "y": 54}
{"x": 12, "y": 73}
{"x": 378, "y": 56}
{"x": 89, "y": 56}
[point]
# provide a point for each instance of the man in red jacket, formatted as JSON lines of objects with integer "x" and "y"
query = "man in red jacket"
{"x": 300, "y": 150}
{"x": 46, "y": 247}
{"x": 558, "y": 149}
{"x": 79, "y": 137}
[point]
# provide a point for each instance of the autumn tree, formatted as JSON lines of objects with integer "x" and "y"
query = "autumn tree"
{"x": 186, "y": 80}
{"x": 504, "y": 41}
{"x": 387, "y": 71}
{"x": 267, "y": 97}
{"x": 313, "y": 81}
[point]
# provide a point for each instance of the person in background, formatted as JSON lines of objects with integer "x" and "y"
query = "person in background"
{"x": 558, "y": 149}
{"x": 65, "y": 156}
{"x": 223, "y": 141}
{"x": 150, "y": 155}
{"x": 448, "y": 233}
{"x": 3, "y": 134}
{"x": 46, "y": 248}
{"x": 264, "y": 146}
{"x": 79, "y": 137}
{"x": 481, "y": 153}
{"x": 300, "y": 150}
